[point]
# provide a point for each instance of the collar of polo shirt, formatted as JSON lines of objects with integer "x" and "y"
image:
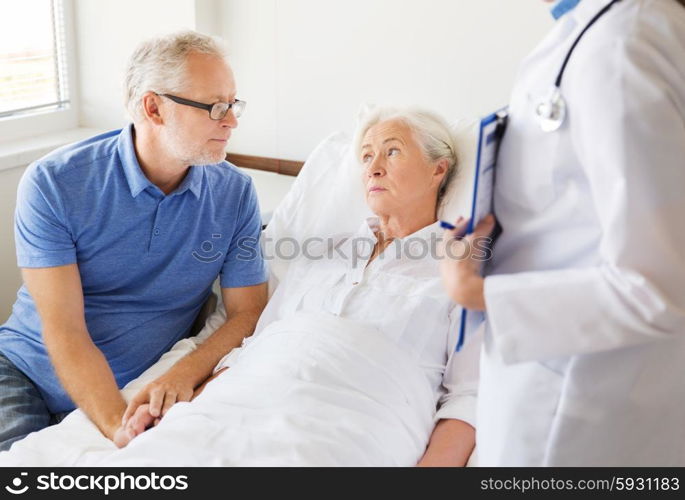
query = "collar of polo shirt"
{"x": 137, "y": 181}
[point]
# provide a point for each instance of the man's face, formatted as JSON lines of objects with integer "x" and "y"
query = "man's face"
{"x": 188, "y": 133}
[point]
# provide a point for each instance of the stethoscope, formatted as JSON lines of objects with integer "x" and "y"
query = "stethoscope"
{"x": 551, "y": 110}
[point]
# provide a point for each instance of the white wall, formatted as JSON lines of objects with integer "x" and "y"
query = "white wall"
{"x": 304, "y": 66}
{"x": 107, "y": 31}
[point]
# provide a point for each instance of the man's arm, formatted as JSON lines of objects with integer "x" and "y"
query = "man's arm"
{"x": 243, "y": 307}
{"x": 80, "y": 365}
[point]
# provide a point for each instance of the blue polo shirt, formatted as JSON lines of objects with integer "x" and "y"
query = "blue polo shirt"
{"x": 147, "y": 260}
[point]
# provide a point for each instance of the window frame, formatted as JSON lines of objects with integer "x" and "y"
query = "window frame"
{"x": 43, "y": 122}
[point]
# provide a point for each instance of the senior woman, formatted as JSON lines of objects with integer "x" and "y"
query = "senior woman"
{"x": 353, "y": 359}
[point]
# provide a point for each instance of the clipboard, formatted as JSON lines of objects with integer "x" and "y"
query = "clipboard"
{"x": 492, "y": 129}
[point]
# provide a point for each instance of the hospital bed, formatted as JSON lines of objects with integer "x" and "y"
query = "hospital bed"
{"x": 306, "y": 211}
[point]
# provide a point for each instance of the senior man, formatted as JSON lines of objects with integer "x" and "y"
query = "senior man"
{"x": 120, "y": 238}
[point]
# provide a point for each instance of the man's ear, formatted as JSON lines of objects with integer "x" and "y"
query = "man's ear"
{"x": 151, "y": 112}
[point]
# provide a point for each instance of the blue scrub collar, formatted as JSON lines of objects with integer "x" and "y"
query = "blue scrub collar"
{"x": 562, "y": 7}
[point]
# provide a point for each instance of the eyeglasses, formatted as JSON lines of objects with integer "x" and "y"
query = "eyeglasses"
{"x": 217, "y": 111}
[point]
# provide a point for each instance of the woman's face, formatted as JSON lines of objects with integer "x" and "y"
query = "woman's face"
{"x": 397, "y": 178}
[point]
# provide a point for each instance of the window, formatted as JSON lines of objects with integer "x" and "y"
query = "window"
{"x": 34, "y": 64}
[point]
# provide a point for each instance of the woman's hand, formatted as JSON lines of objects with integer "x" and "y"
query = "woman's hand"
{"x": 137, "y": 424}
{"x": 161, "y": 394}
{"x": 461, "y": 261}
{"x": 142, "y": 418}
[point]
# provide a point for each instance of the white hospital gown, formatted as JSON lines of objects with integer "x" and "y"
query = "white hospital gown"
{"x": 400, "y": 294}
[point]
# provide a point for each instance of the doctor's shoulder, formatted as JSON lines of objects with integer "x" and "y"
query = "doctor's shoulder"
{"x": 630, "y": 58}
{"x": 651, "y": 27}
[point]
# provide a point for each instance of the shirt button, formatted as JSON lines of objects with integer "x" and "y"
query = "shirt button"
{"x": 156, "y": 232}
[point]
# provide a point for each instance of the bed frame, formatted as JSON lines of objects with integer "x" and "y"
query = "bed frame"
{"x": 276, "y": 165}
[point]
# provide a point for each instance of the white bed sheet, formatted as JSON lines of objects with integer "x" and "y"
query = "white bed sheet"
{"x": 63, "y": 444}
{"x": 314, "y": 390}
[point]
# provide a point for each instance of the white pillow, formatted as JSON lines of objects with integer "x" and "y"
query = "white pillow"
{"x": 459, "y": 198}
{"x": 327, "y": 197}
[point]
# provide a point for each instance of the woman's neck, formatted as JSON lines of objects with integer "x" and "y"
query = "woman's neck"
{"x": 392, "y": 227}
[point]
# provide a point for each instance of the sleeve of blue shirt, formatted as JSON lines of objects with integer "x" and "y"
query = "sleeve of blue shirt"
{"x": 41, "y": 231}
{"x": 244, "y": 263}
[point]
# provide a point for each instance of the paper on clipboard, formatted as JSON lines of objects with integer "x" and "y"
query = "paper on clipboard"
{"x": 490, "y": 135}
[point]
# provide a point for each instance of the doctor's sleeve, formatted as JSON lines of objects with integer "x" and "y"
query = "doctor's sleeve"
{"x": 460, "y": 380}
{"x": 627, "y": 126}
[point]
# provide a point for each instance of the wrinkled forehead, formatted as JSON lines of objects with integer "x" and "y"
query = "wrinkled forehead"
{"x": 387, "y": 130}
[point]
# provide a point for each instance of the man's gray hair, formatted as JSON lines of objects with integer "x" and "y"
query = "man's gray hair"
{"x": 158, "y": 65}
{"x": 431, "y": 132}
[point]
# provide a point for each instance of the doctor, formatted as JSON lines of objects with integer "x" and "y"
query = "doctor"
{"x": 584, "y": 356}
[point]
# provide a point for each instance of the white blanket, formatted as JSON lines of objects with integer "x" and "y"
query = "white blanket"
{"x": 312, "y": 389}
{"x": 63, "y": 444}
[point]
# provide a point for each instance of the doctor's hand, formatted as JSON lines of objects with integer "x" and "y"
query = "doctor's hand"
{"x": 461, "y": 261}
{"x": 161, "y": 394}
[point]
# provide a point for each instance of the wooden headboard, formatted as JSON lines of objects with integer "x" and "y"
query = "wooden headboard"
{"x": 284, "y": 167}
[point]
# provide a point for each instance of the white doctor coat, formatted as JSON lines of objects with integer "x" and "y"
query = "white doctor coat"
{"x": 584, "y": 355}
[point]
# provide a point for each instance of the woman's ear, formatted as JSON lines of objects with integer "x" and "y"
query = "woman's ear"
{"x": 441, "y": 168}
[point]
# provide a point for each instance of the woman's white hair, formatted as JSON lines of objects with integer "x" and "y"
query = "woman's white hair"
{"x": 431, "y": 132}
{"x": 158, "y": 65}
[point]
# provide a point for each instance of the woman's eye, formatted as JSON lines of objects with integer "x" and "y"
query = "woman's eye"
{"x": 393, "y": 151}
{"x": 366, "y": 158}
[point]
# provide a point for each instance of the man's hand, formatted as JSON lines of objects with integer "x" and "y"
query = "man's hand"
{"x": 243, "y": 307}
{"x": 138, "y": 419}
{"x": 209, "y": 379}
{"x": 137, "y": 424}
{"x": 161, "y": 394}
{"x": 461, "y": 262}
